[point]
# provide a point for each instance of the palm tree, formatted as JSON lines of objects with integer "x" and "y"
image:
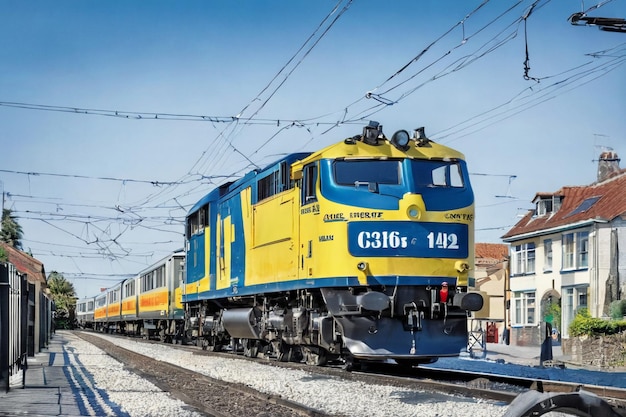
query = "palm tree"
{"x": 11, "y": 230}
{"x": 64, "y": 297}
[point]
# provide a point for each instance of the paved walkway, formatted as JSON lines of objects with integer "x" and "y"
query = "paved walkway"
{"x": 522, "y": 355}
{"x": 52, "y": 386}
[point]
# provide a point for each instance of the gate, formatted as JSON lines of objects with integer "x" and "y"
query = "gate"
{"x": 13, "y": 325}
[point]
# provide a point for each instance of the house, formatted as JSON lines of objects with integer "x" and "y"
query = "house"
{"x": 491, "y": 275}
{"x": 25, "y": 264}
{"x": 38, "y": 296}
{"x": 569, "y": 253}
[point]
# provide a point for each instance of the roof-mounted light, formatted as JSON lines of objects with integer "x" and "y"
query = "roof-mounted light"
{"x": 420, "y": 137}
{"x": 372, "y": 132}
{"x": 400, "y": 140}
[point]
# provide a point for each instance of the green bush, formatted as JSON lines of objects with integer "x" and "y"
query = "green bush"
{"x": 584, "y": 324}
{"x": 618, "y": 309}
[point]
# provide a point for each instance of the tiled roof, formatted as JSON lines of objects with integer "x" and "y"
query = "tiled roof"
{"x": 495, "y": 251}
{"x": 25, "y": 263}
{"x": 603, "y": 201}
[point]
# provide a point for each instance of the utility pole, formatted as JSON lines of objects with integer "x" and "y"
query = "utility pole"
{"x": 1, "y": 222}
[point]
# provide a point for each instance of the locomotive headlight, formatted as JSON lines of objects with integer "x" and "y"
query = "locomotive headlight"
{"x": 420, "y": 137}
{"x": 400, "y": 140}
{"x": 413, "y": 212}
{"x": 372, "y": 132}
{"x": 361, "y": 266}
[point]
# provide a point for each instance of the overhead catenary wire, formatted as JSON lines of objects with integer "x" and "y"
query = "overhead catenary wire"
{"x": 198, "y": 177}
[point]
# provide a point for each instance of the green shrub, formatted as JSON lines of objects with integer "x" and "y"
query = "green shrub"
{"x": 584, "y": 324}
{"x": 618, "y": 309}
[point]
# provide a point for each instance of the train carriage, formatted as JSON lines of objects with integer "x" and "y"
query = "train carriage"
{"x": 100, "y": 311}
{"x": 85, "y": 312}
{"x": 129, "y": 316}
{"x": 361, "y": 250}
{"x": 159, "y": 298}
{"x": 114, "y": 308}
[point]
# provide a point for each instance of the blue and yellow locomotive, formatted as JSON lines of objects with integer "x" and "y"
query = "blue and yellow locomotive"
{"x": 359, "y": 251}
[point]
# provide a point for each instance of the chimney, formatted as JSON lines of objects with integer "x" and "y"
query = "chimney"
{"x": 608, "y": 165}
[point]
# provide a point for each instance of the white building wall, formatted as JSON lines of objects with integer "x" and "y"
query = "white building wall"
{"x": 601, "y": 269}
{"x": 620, "y": 224}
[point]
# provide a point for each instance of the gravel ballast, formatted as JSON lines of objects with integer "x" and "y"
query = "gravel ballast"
{"x": 331, "y": 395}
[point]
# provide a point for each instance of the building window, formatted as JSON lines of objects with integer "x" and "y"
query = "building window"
{"x": 582, "y": 298}
{"x": 547, "y": 205}
{"x": 547, "y": 255}
{"x": 544, "y": 207}
{"x": 576, "y": 250}
{"x": 574, "y": 298}
{"x": 523, "y": 259}
{"x": 524, "y": 308}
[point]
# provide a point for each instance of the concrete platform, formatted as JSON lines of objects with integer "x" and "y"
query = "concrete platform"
{"x": 52, "y": 386}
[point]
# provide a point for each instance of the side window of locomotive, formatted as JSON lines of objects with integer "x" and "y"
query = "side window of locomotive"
{"x": 309, "y": 178}
{"x": 274, "y": 183}
{"x": 197, "y": 221}
{"x": 192, "y": 224}
{"x": 202, "y": 218}
{"x": 364, "y": 172}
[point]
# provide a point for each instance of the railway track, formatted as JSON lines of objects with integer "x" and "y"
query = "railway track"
{"x": 208, "y": 396}
{"x": 499, "y": 389}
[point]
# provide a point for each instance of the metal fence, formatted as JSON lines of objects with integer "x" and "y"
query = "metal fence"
{"x": 13, "y": 325}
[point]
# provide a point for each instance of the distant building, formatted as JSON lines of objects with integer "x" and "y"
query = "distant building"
{"x": 491, "y": 264}
{"x": 569, "y": 253}
{"x": 25, "y": 264}
{"x": 36, "y": 276}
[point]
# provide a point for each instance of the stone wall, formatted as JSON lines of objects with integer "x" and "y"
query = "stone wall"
{"x": 600, "y": 351}
{"x": 526, "y": 336}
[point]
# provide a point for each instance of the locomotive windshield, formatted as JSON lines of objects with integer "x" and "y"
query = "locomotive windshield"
{"x": 437, "y": 174}
{"x": 373, "y": 171}
{"x": 381, "y": 183}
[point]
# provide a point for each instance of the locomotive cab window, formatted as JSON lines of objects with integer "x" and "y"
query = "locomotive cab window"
{"x": 309, "y": 178}
{"x": 437, "y": 174}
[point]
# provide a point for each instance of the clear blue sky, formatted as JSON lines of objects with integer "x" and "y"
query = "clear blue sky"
{"x": 100, "y": 217}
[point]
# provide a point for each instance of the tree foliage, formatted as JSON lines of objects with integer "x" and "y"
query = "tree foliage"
{"x": 11, "y": 230}
{"x": 63, "y": 294}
